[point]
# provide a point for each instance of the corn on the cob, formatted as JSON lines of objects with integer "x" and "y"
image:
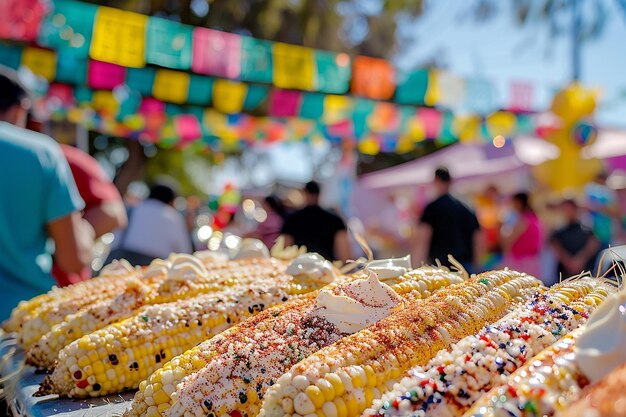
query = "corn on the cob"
{"x": 454, "y": 379}
{"x": 605, "y": 398}
{"x": 240, "y": 364}
{"x": 116, "y": 271}
{"x": 121, "y": 355}
{"x": 549, "y": 382}
{"x": 539, "y": 388}
{"x": 344, "y": 378}
{"x": 145, "y": 292}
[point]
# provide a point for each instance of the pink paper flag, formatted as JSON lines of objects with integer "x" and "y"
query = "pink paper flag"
{"x": 187, "y": 127}
{"x": 284, "y": 103}
{"x": 216, "y": 53}
{"x": 105, "y": 76}
{"x": 431, "y": 120}
{"x": 521, "y": 96}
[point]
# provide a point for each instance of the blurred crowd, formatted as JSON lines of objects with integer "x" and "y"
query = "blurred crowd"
{"x": 59, "y": 209}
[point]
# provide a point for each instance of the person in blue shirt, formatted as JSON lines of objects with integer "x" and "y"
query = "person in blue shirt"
{"x": 39, "y": 205}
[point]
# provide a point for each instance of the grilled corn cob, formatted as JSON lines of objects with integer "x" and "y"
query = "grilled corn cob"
{"x": 116, "y": 271}
{"x": 537, "y": 388}
{"x": 344, "y": 378}
{"x": 454, "y": 379}
{"x": 139, "y": 293}
{"x": 239, "y": 365}
{"x": 123, "y": 354}
{"x": 549, "y": 382}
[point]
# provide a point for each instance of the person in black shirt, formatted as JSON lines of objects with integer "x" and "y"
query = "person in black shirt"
{"x": 319, "y": 230}
{"x": 574, "y": 245}
{"x": 447, "y": 227}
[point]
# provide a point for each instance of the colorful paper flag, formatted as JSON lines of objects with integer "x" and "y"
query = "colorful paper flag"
{"x": 256, "y": 95}
{"x": 10, "y": 55}
{"x": 42, "y": 62}
{"x": 21, "y": 19}
{"x": 333, "y": 72}
{"x": 256, "y": 60}
{"x": 336, "y": 108}
{"x": 171, "y": 86}
{"x": 119, "y": 37}
{"x": 412, "y": 87}
{"x": 520, "y": 96}
{"x": 284, "y": 103}
{"x": 451, "y": 90}
{"x": 187, "y": 127}
{"x": 168, "y": 44}
{"x": 71, "y": 68}
{"x": 216, "y": 53}
{"x": 229, "y": 96}
{"x": 433, "y": 93}
{"x": 141, "y": 80}
{"x": 200, "y": 90}
{"x": 69, "y": 26}
{"x": 431, "y": 120}
{"x": 501, "y": 123}
{"x": 312, "y": 106}
{"x": 294, "y": 67}
{"x": 479, "y": 96}
{"x": 105, "y": 76}
{"x": 373, "y": 78}
{"x": 105, "y": 102}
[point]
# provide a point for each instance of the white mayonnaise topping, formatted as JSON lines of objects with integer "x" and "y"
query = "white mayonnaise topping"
{"x": 117, "y": 267}
{"x": 358, "y": 304}
{"x": 186, "y": 267}
{"x": 312, "y": 265}
{"x": 209, "y": 255}
{"x": 390, "y": 268}
{"x": 602, "y": 346}
{"x": 252, "y": 248}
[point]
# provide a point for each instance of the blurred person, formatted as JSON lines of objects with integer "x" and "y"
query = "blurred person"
{"x": 574, "y": 244}
{"x": 447, "y": 227}
{"x": 489, "y": 210}
{"x": 269, "y": 230}
{"x": 316, "y": 228}
{"x": 601, "y": 202}
{"x": 155, "y": 229}
{"x": 39, "y": 202}
{"x": 521, "y": 241}
{"x": 104, "y": 208}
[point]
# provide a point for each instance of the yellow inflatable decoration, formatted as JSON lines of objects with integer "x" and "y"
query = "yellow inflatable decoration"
{"x": 570, "y": 171}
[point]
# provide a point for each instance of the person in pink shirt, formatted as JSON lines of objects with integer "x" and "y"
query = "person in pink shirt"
{"x": 521, "y": 240}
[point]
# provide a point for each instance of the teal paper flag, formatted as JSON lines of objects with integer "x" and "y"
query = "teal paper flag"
{"x": 83, "y": 95}
{"x": 256, "y": 60}
{"x": 200, "y": 90}
{"x": 168, "y": 44}
{"x": 333, "y": 72}
{"x": 446, "y": 137}
{"x": 412, "y": 87}
{"x": 69, "y": 26}
{"x": 71, "y": 69}
{"x": 255, "y": 96}
{"x": 312, "y": 106}
{"x": 141, "y": 80}
{"x": 10, "y": 55}
{"x": 362, "y": 109}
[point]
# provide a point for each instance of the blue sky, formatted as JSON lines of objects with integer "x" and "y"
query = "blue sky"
{"x": 503, "y": 51}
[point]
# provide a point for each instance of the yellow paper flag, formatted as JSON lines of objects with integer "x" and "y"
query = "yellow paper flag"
{"x": 105, "y": 102}
{"x": 119, "y": 37}
{"x": 171, "y": 86}
{"x": 41, "y": 62}
{"x": 336, "y": 108}
{"x": 433, "y": 91}
{"x": 294, "y": 67}
{"x": 369, "y": 146}
{"x": 466, "y": 128}
{"x": 228, "y": 96}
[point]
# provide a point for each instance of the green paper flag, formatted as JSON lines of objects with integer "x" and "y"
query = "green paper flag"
{"x": 71, "y": 69}
{"x": 256, "y": 60}
{"x": 333, "y": 72}
{"x": 10, "y": 55}
{"x": 446, "y": 137}
{"x": 141, "y": 80}
{"x": 312, "y": 106}
{"x": 412, "y": 87}
{"x": 69, "y": 26}
{"x": 255, "y": 96}
{"x": 200, "y": 90}
{"x": 168, "y": 44}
